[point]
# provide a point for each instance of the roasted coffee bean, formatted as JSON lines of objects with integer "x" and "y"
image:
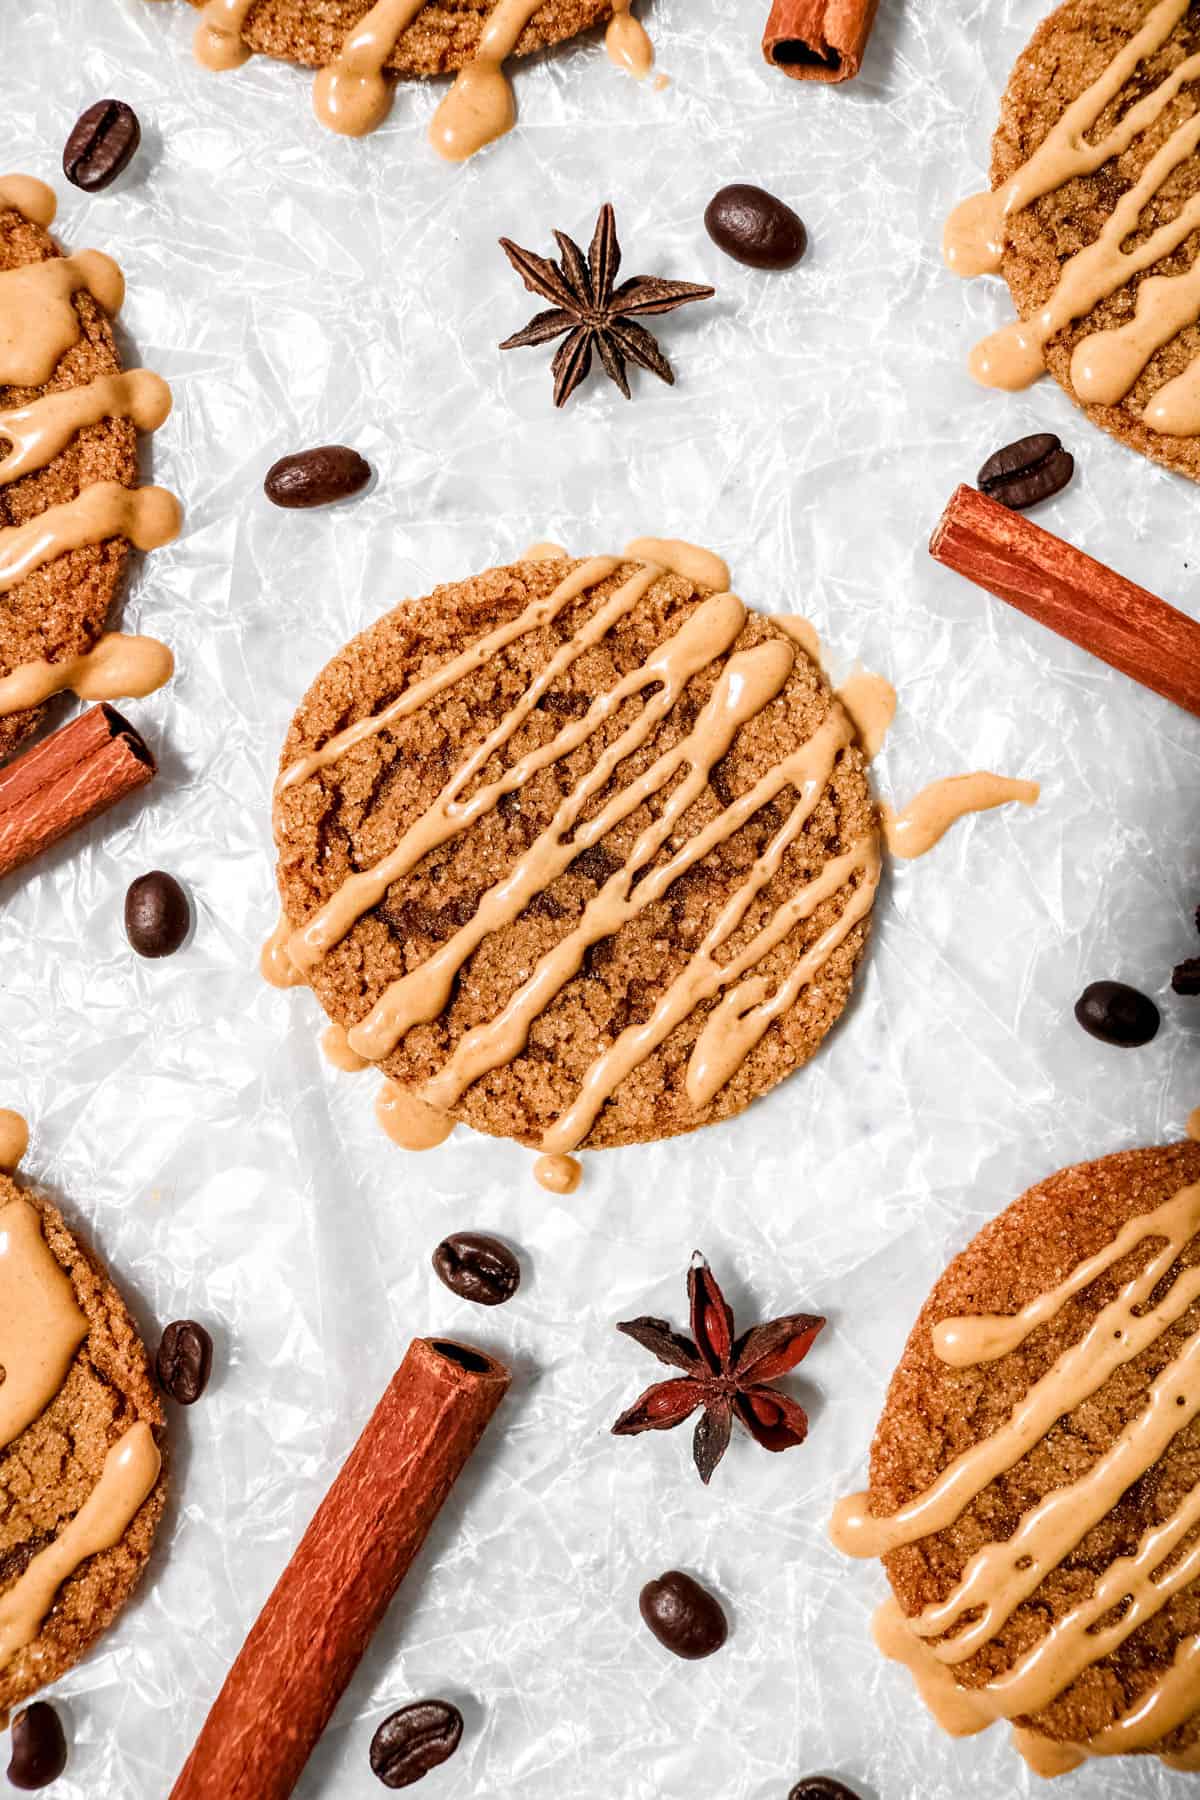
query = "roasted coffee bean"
{"x": 477, "y": 1268}
{"x": 1117, "y": 1014}
{"x": 39, "y": 1749}
{"x": 1028, "y": 471}
{"x": 415, "y": 1740}
{"x": 184, "y": 1361}
{"x": 157, "y": 914}
{"x": 316, "y": 477}
{"x": 101, "y": 145}
{"x": 821, "y": 1787}
{"x": 684, "y": 1617}
{"x": 755, "y": 228}
{"x": 1185, "y": 977}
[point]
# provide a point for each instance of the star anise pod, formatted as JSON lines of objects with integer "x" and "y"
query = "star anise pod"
{"x": 729, "y": 1377}
{"x": 593, "y": 313}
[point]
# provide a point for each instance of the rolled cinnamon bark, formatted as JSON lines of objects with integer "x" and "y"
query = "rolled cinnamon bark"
{"x": 1081, "y": 599}
{"x": 311, "y": 1633}
{"x": 819, "y": 40}
{"x": 69, "y": 778}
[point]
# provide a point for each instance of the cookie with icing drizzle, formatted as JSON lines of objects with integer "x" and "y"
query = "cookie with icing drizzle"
{"x": 70, "y": 503}
{"x": 1094, "y": 221}
{"x": 578, "y": 852}
{"x": 82, "y": 1483}
{"x": 1035, "y": 1476}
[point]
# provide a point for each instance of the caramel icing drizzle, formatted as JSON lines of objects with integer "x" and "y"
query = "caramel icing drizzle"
{"x": 41, "y": 1327}
{"x": 353, "y": 95}
{"x": 38, "y": 321}
{"x": 119, "y": 667}
{"x": 129, "y": 1473}
{"x": 747, "y": 682}
{"x": 14, "y": 1141}
{"x": 148, "y": 517}
{"x": 38, "y": 432}
{"x": 927, "y": 818}
{"x": 1106, "y": 364}
{"x": 1000, "y": 1576}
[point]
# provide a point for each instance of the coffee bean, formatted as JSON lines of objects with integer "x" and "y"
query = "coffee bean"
{"x": 1117, "y": 1014}
{"x": 184, "y": 1361}
{"x": 684, "y": 1617}
{"x": 755, "y": 228}
{"x": 415, "y": 1740}
{"x": 821, "y": 1787}
{"x": 39, "y": 1749}
{"x": 1028, "y": 471}
{"x": 316, "y": 477}
{"x": 477, "y": 1268}
{"x": 157, "y": 914}
{"x": 1185, "y": 977}
{"x": 101, "y": 144}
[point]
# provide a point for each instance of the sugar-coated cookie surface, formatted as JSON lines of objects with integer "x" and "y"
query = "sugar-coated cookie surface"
{"x": 444, "y": 35}
{"x": 1067, "y": 53}
{"x": 458, "y": 985}
{"x": 59, "y": 610}
{"x": 56, "y": 1466}
{"x": 1117, "y": 1665}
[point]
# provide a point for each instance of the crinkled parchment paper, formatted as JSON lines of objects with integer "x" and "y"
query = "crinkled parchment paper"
{"x": 297, "y": 288}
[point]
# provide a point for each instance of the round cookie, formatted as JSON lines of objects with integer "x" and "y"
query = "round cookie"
{"x": 443, "y": 37}
{"x": 60, "y": 609}
{"x": 49, "y": 1470}
{"x": 936, "y": 1412}
{"x": 1068, "y": 51}
{"x": 345, "y": 816}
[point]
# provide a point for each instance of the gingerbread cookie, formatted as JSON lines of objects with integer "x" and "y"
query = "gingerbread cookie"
{"x": 1035, "y": 1477}
{"x": 359, "y": 48}
{"x": 81, "y": 1472}
{"x": 579, "y": 852}
{"x": 1094, "y": 220}
{"x": 69, "y": 501}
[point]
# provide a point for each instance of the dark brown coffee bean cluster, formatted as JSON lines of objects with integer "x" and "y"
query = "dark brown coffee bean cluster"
{"x": 685, "y": 1618}
{"x": 1026, "y": 472}
{"x": 1117, "y": 1014}
{"x": 316, "y": 477}
{"x": 478, "y": 1268}
{"x": 415, "y": 1740}
{"x": 101, "y": 144}
{"x": 184, "y": 1361}
{"x": 755, "y": 228}
{"x": 821, "y": 1787}
{"x": 39, "y": 1748}
{"x": 157, "y": 915}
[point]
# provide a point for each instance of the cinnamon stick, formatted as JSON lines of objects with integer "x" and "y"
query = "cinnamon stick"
{"x": 319, "y": 1619}
{"x": 819, "y": 40}
{"x": 69, "y": 778}
{"x": 1084, "y": 600}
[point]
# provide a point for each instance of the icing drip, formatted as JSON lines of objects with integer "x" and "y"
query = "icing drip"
{"x": 1193, "y": 1125}
{"x": 338, "y": 1051}
{"x": 118, "y": 668}
{"x": 28, "y": 196}
{"x": 557, "y": 1174}
{"x": 627, "y": 42}
{"x": 871, "y": 702}
{"x": 218, "y": 41}
{"x": 149, "y": 517}
{"x": 1002, "y": 1575}
{"x": 408, "y": 1121}
{"x": 41, "y": 1327}
{"x": 703, "y": 568}
{"x": 1106, "y": 364}
{"x": 925, "y": 820}
{"x": 352, "y": 95}
{"x": 479, "y": 107}
{"x": 544, "y": 551}
{"x": 38, "y": 321}
{"x": 14, "y": 1141}
{"x": 38, "y": 432}
{"x": 275, "y": 965}
{"x": 130, "y": 1472}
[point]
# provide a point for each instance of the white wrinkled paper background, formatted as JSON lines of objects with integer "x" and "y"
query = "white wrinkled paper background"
{"x": 295, "y": 289}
